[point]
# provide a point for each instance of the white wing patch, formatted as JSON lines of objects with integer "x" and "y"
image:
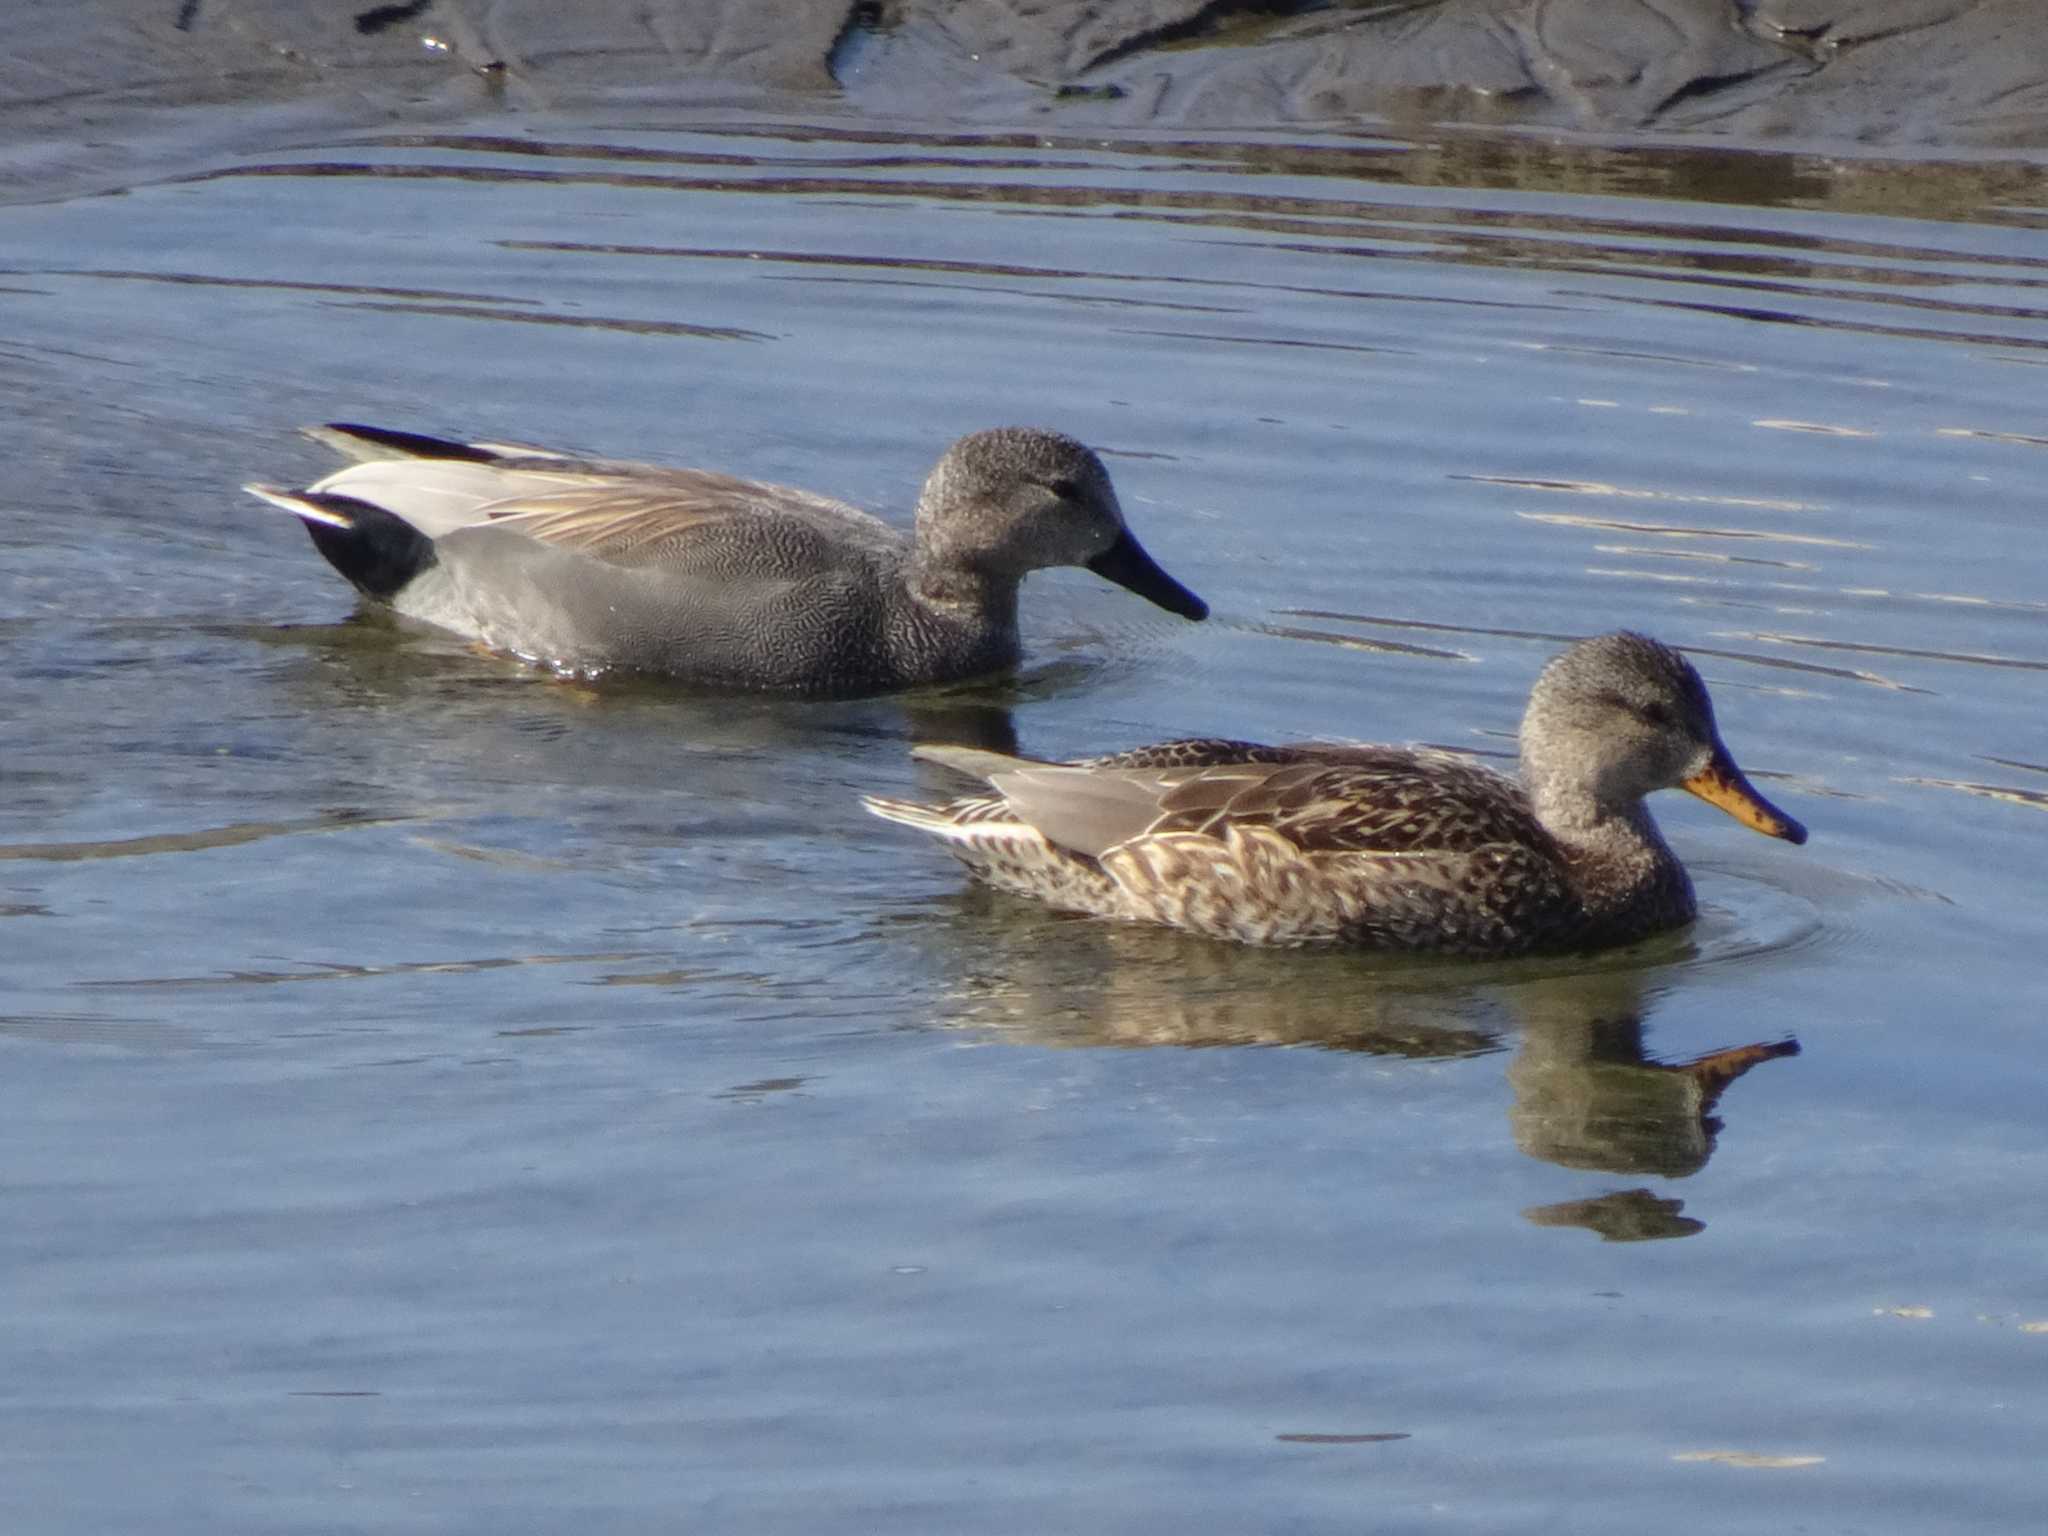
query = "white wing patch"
{"x": 438, "y": 496}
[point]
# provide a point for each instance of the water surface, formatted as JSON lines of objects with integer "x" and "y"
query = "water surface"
{"x": 445, "y": 1097}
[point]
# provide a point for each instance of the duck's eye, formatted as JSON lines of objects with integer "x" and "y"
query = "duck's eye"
{"x": 1660, "y": 715}
{"x": 1066, "y": 488}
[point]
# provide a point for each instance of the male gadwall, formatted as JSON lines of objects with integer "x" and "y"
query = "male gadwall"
{"x": 1381, "y": 847}
{"x": 590, "y": 565}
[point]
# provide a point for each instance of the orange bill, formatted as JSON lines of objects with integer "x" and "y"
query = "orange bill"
{"x": 1721, "y": 784}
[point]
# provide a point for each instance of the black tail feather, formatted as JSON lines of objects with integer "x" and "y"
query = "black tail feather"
{"x": 415, "y": 445}
{"x": 379, "y": 552}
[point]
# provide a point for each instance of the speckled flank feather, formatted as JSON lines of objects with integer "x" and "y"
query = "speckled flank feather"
{"x": 1380, "y": 847}
{"x": 591, "y": 565}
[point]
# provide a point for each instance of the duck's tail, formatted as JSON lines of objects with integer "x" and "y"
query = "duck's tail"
{"x": 378, "y": 551}
{"x": 926, "y": 818}
{"x": 975, "y": 821}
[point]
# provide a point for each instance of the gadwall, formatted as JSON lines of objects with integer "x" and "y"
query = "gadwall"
{"x": 589, "y": 565}
{"x": 1380, "y": 847}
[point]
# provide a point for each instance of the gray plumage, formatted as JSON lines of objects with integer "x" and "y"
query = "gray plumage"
{"x": 1379, "y": 847}
{"x": 591, "y": 565}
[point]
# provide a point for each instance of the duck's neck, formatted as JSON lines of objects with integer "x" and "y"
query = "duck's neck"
{"x": 960, "y": 620}
{"x": 1619, "y": 855}
{"x": 951, "y": 587}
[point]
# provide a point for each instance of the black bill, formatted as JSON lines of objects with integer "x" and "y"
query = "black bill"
{"x": 1126, "y": 563}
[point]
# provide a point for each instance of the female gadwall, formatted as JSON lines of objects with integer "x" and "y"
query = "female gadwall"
{"x": 1380, "y": 847}
{"x": 589, "y": 565}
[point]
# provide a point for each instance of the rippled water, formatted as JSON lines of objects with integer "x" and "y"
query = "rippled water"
{"x": 442, "y": 1097}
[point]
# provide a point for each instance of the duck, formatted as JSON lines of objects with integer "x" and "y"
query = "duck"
{"x": 589, "y": 566}
{"x": 1416, "y": 850}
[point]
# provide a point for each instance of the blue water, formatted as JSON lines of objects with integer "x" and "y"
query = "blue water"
{"x": 440, "y": 1097}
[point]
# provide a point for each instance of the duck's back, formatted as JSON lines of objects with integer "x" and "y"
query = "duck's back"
{"x": 1398, "y": 848}
{"x": 1376, "y": 847}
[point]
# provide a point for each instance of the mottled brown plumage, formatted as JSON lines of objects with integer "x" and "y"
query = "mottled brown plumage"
{"x": 1381, "y": 847}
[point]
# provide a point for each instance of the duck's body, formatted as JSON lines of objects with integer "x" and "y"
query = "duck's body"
{"x": 593, "y": 565}
{"x": 1379, "y": 847}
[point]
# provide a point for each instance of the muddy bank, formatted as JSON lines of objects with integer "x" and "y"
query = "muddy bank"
{"x": 90, "y": 92}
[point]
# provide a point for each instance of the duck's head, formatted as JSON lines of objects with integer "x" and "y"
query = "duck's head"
{"x": 1012, "y": 500}
{"x": 1619, "y": 716}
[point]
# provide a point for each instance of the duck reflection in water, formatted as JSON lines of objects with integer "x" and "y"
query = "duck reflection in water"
{"x": 1586, "y": 1092}
{"x": 1587, "y": 1095}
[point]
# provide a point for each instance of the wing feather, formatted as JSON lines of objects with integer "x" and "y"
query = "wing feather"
{"x": 1383, "y": 801}
{"x": 617, "y": 523}
{"x": 623, "y": 514}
